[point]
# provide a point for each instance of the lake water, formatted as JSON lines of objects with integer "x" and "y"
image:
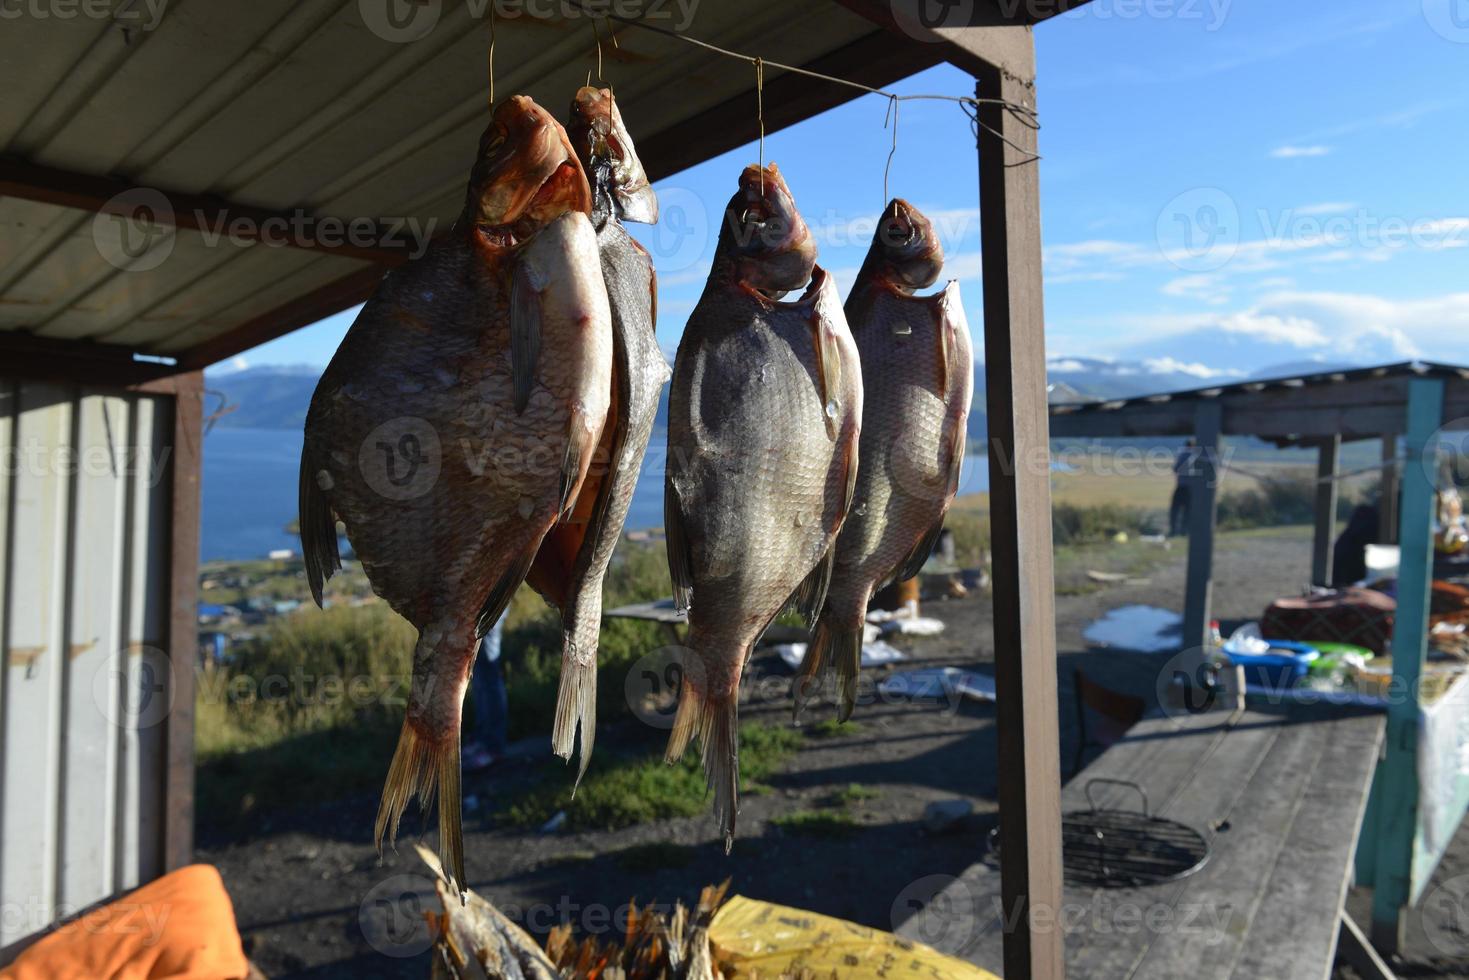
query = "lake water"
{"x": 250, "y": 491}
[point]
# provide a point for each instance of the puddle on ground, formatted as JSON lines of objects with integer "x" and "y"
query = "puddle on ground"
{"x": 1143, "y": 629}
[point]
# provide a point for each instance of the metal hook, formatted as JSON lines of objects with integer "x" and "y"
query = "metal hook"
{"x": 760, "y": 115}
{"x": 491, "y": 58}
{"x": 892, "y": 110}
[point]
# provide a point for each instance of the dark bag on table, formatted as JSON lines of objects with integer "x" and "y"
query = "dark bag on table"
{"x": 1360, "y": 616}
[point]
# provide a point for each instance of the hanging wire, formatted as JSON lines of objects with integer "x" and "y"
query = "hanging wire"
{"x": 760, "y": 116}
{"x": 887, "y": 167}
{"x": 1022, "y": 113}
{"x": 491, "y": 58}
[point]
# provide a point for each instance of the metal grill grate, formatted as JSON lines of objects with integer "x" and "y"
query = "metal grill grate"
{"x": 1123, "y": 849}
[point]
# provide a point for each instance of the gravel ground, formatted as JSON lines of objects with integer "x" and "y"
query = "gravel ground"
{"x": 313, "y": 901}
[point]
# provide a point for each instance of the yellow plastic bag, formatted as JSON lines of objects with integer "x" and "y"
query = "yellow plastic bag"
{"x": 759, "y": 937}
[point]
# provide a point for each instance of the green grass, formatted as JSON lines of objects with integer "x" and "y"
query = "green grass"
{"x": 831, "y": 728}
{"x": 817, "y": 823}
{"x": 853, "y": 793}
{"x": 620, "y": 791}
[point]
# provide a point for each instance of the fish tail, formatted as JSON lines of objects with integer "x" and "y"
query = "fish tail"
{"x": 419, "y": 766}
{"x": 714, "y": 720}
{"x": 576, "y": 706}
{"x": 425, "y": 764}
{"x": 831, "y": 645}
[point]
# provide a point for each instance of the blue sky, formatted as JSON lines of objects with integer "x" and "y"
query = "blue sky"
{"x": 1226, "y": 185}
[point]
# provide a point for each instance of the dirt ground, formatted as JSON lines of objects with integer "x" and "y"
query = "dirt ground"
{"x": 313, "y": 901}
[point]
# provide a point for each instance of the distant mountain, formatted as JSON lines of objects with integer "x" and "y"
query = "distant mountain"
{"x": 276, "y": 397}
{"x": 270, "y": 397}
{"x": 1297, "y": 369}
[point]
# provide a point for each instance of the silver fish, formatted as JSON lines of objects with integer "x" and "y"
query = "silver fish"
{"x": 917, "y": 379}
{"x": 454, "y": 425}
{"x": 572, "y": 563}
{"x": 764, "y": 421}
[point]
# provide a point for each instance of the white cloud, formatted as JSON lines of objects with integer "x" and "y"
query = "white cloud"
{"x": 1291, "y": 331}
{"x": 1203, "y": 286}
{"x": 1325, "y": 207}
{"x": 1169, "y": 365}
{"x": 1292, "y": 152}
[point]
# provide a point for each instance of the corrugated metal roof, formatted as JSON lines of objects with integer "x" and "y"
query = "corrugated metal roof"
{"x": 287, "y": 105}
{"x": 1355, "y": 403}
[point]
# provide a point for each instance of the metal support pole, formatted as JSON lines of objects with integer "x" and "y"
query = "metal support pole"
{"x": 1397, "y": 817}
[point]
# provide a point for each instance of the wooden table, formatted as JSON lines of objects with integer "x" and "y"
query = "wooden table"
{"x": 660, "y": 611}
{"x": 1279, "y": 795}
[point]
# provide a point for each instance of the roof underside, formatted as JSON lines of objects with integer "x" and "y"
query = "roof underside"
{"x": 280, "y": 107}
{"x": 1363, "y": 403}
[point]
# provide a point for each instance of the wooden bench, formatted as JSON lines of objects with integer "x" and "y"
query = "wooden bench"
{"x": 1278, "y": 795}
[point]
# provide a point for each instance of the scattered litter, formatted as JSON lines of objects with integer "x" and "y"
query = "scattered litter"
{"x": 555, "y": 823}
{"x": 874, "y": 654}
{"x": 1116, "y": 578}
{"x": 1144, "y": 629}
{"x": 918, "y": 626}
{"x": 938, "y": 684}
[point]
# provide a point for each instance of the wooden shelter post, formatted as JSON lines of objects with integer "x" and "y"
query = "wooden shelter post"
{"x": 1327, "y": 453}
{"x": 1203, "y": 484}
{"x": 1397, "y": 803}
{"x": 1020, "y": 525}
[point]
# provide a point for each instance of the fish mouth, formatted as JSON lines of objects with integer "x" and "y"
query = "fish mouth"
{"x": 606, "y": 152}
{"x": 911, "y": 253}
{"x": 773, "y": 248}
{"x": 526, "y": 174}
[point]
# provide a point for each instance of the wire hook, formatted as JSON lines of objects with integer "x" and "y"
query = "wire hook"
{"x": 892, "y": 110}
{"x": 760, "y": 115}
{"x": 491, "y": 58}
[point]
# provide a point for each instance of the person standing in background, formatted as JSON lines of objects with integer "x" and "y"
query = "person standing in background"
{"x": 490, "y": 703}
{"x": 1178, "y": 508}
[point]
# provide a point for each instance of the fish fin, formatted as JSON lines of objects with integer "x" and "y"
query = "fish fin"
{"x": 916, "y": 559}
{"x": 810, "y": 595}
{"x": 420, "y": 766}
{"x": 576, "y": 705}
{"x": 572, "y": 475}
{"x": 677, "y": 547}
{"x": 503, "y": 591}
{"x": 829, "y": 363}
{"x": 525, "y": 334}
{"x": 714, "y": 721}
{"x": 831, "y": 646}
{"x": 318, "y": 530}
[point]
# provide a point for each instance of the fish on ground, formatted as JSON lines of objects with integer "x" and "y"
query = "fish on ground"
{"x": 456, "y": 422}
{"x": 572, "y": 563}
{"x": 917, "y": 381}
{"x": 764, "y": 419}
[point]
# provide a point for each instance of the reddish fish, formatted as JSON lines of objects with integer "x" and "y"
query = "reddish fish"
{"x": 454, "y": 425}
{"x": 573, "y": 560}
{"x": 763, "y": 425}
{"x": 917, "y": 380}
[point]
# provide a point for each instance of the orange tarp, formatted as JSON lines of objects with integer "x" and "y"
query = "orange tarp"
{"x": 180, "y": 927}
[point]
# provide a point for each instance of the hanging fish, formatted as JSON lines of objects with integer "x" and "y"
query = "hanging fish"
{"x": 917, "y": 379}
{"x": 456, "y": 423}
{"x": 573, "y": 558}
{"x": 763, "y": 425}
